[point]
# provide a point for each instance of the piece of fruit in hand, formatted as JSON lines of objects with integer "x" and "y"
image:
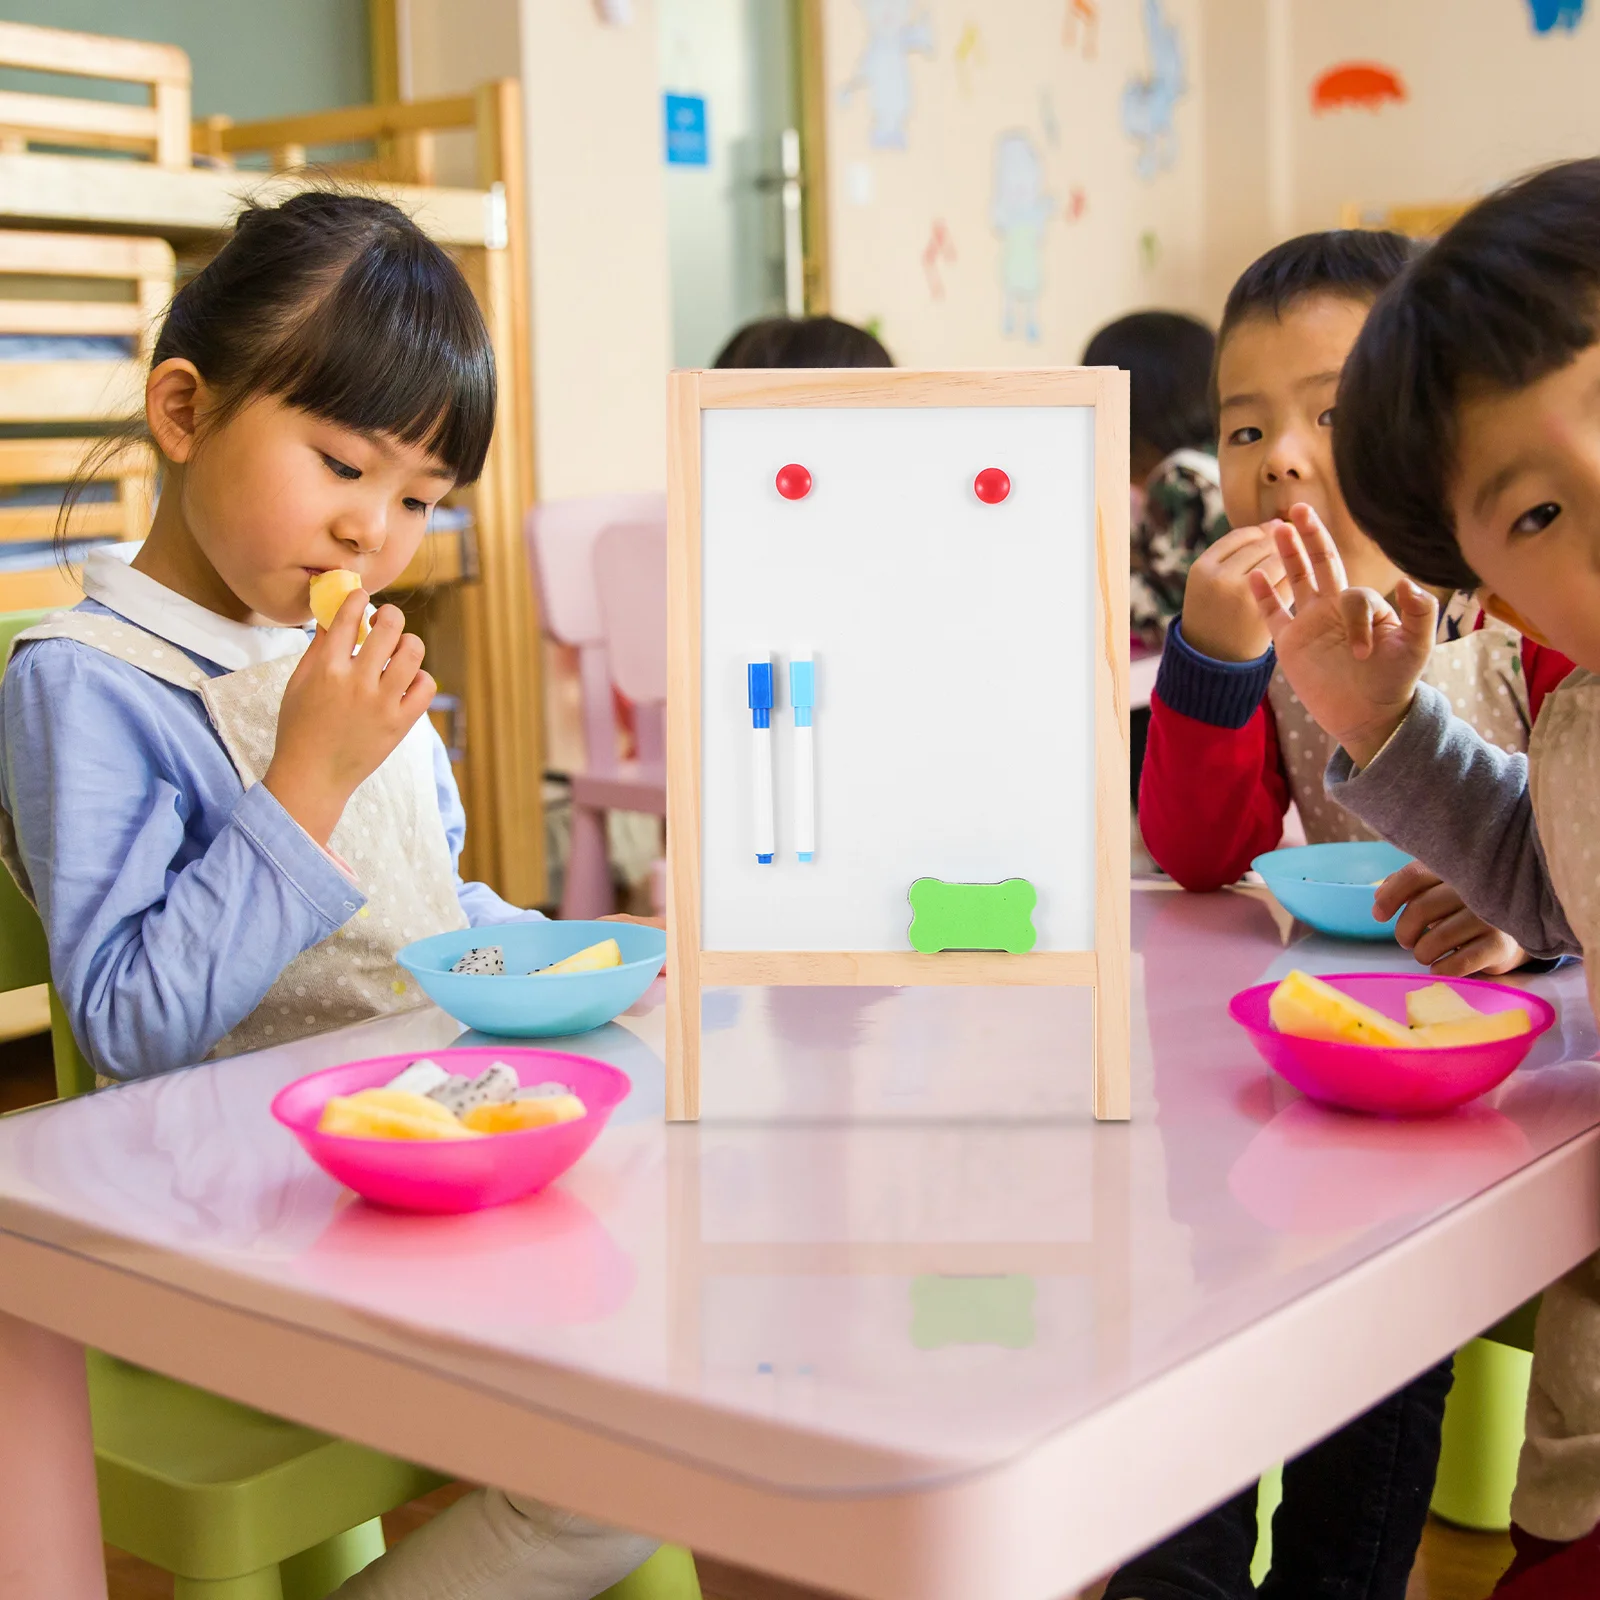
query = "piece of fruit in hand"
{"x": 1311, "y": 1009}
{"x": 328, "y": 592}
{"x": 593, "y": 958}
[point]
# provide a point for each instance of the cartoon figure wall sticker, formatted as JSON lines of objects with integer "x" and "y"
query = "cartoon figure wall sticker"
{"x": 939, "y": 251}
{"x": 894, "y": 34}
{"x": 969, "y": 53}
{"x": 1082, "y": 21}
{"x": 1150, "y": 103}
{"x": 1363, "y": 84}
{"x": 1020, "y": 211}
{"x": 1548, "y": 15}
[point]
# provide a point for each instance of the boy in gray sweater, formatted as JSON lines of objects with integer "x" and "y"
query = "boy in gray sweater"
{"x": 1467, "y": 440}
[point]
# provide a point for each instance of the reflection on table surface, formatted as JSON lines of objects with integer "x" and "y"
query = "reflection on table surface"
{"x": 897, "y": 1224}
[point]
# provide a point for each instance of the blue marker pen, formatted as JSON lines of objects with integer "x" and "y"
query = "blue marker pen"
{"x": 759, "y": 679}
{"x": 803, "y": 697}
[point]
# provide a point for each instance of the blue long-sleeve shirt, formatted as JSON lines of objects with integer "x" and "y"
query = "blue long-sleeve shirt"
{"x": 172, "y": 897}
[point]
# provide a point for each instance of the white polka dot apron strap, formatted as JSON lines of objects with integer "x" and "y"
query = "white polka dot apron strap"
{"x": 392, "y": 838}
{"x": 1304, "y": 750}
{"x": 114, "y": 637}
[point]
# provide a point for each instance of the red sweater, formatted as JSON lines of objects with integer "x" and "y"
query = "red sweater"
{"x": 1214, "y": 790}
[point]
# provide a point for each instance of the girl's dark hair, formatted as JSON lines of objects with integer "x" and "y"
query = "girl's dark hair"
{"x": 803, "y": 342}
{"x": 1168, "y": 358}
{"x": 1508, "y": 295}
{"x": 341, "y": 305}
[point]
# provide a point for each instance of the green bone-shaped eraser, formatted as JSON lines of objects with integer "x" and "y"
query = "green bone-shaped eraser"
{"x": 972, "y": 916}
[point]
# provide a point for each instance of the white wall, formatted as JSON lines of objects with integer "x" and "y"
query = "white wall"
{"x": 975, "y": 75}
{"x": 596, "y": 222}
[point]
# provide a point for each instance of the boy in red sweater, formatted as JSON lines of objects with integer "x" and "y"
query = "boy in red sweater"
{"x": 1230, "y": 745}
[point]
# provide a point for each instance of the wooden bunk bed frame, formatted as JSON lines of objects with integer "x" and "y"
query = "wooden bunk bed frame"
{"x": 486, "y": 635}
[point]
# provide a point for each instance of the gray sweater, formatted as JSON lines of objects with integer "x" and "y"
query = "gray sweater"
{"x": 1462, "y": 806}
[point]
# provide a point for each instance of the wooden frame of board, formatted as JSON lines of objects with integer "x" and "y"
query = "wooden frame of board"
{"x": 690, "y": 967}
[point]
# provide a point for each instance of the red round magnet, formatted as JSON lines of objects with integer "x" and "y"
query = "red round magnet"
{"x": 794, "y": 482}
{"x": 991, "y": 486}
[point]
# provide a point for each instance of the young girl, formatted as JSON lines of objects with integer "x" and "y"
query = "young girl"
{"x": 229, "y": 829}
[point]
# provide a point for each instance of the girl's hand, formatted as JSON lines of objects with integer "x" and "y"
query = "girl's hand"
{"x": 344, "y": 712}
{"x": 1350, "y": 656}
{"x": 1220, "y": 616}
{"x": 1439, "y": 930}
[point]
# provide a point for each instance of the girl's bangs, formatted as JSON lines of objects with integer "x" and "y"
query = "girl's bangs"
{"x": 396, "y": 347}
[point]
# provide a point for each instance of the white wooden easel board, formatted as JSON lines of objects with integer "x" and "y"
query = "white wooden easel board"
{"x": 970, "y": 657}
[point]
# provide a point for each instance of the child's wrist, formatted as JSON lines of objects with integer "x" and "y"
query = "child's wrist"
{"x": 308, "y": 803}
{"x": 1363, "y": 745}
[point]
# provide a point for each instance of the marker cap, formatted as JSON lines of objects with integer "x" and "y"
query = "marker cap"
{"x": 758, "y": 678}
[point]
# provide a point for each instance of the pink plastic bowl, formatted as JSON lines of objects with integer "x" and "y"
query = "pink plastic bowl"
{"x": 456, "y": 1174}
{"x": 1401, "y": 1083}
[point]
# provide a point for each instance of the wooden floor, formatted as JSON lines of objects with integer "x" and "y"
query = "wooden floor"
{"x": 1453, "y": 1564}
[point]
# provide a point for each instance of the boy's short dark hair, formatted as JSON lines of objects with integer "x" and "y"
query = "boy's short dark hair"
{"x": 1510, "y": 294}
{"x": 1350, "y": 263}
{"x": 1168, "y": 358}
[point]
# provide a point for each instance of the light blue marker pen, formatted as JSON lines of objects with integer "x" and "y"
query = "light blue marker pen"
{"x": 803, "y": 697}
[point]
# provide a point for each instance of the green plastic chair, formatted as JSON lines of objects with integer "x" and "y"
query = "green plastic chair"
{"x": 1483, "y": 1421}
{"x": 235, "y": 1504}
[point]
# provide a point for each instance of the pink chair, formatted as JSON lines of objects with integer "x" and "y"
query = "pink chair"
{"x": 561, "y": 537}
{"x": 630, "y": 569}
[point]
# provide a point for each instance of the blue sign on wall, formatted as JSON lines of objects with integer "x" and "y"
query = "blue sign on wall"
{"x": 688, "y": 144}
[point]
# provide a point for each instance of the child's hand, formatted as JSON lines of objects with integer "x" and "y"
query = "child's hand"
{"x": 1350, "y": 656}
{"x": 1438, "y": 929}
{"x": 1220, "y": 617}
{"x": 344, "y": 712}
{"x": 642, "y": 922}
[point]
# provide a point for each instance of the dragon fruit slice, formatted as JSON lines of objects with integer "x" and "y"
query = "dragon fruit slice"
{"x": 487, "y": 961}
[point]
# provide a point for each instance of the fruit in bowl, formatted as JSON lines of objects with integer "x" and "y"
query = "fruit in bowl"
{"x": 1361, "y": 1041}
{"x": 539, "y": 979}
{"x": 521, "y": 1118}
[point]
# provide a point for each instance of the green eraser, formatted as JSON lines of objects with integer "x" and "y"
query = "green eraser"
{"x": 972, "y": 916}
{"x": 997, "y": 1310}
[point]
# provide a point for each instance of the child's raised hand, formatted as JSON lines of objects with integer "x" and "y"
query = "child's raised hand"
{"x": 1439, "y": 930}
{"x": 1220, "y": 618}
{"x": 1353, "y": 659}
{"x": 344, "y": 711}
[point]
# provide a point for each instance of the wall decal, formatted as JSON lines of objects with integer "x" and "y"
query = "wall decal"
{"x": 894, "y": 35}
{"x": 1149, "y": 103}
{"x": 1020, "y": 211}
{"x": 1548, "y": 15}
{"x": 1358, "y": 83}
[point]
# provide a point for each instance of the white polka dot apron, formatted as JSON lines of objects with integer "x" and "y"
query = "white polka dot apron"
{"x": 1558, "y": 1476}
{"x": 1480, "y": 672}
{"x": 391, "y": 835}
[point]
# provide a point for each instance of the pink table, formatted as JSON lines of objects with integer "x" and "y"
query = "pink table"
{"x": 897, "y": 1319}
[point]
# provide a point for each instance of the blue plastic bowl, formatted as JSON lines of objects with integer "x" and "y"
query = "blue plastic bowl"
{"x": 521, "y": 1005}
{"x": 1331, "y": 885}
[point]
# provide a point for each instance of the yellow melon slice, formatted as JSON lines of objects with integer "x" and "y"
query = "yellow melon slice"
{"x": 391, "y": 1114}
{"x": 329, "y": 591}
{"x": 512, "y": 1116}
{"x": 1437, "y": 1003}
{"x": 593, "y": 958}
{"x": 1311, "y": 1009}
{"x": 1480, "y": 1028}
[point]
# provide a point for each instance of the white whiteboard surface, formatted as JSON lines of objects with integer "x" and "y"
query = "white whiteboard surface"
{"x": 954, "y": 645}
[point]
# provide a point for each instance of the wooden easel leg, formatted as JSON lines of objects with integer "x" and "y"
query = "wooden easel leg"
{"x": 683, "y": 1045}
{"x": 1113, "y": 1089}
